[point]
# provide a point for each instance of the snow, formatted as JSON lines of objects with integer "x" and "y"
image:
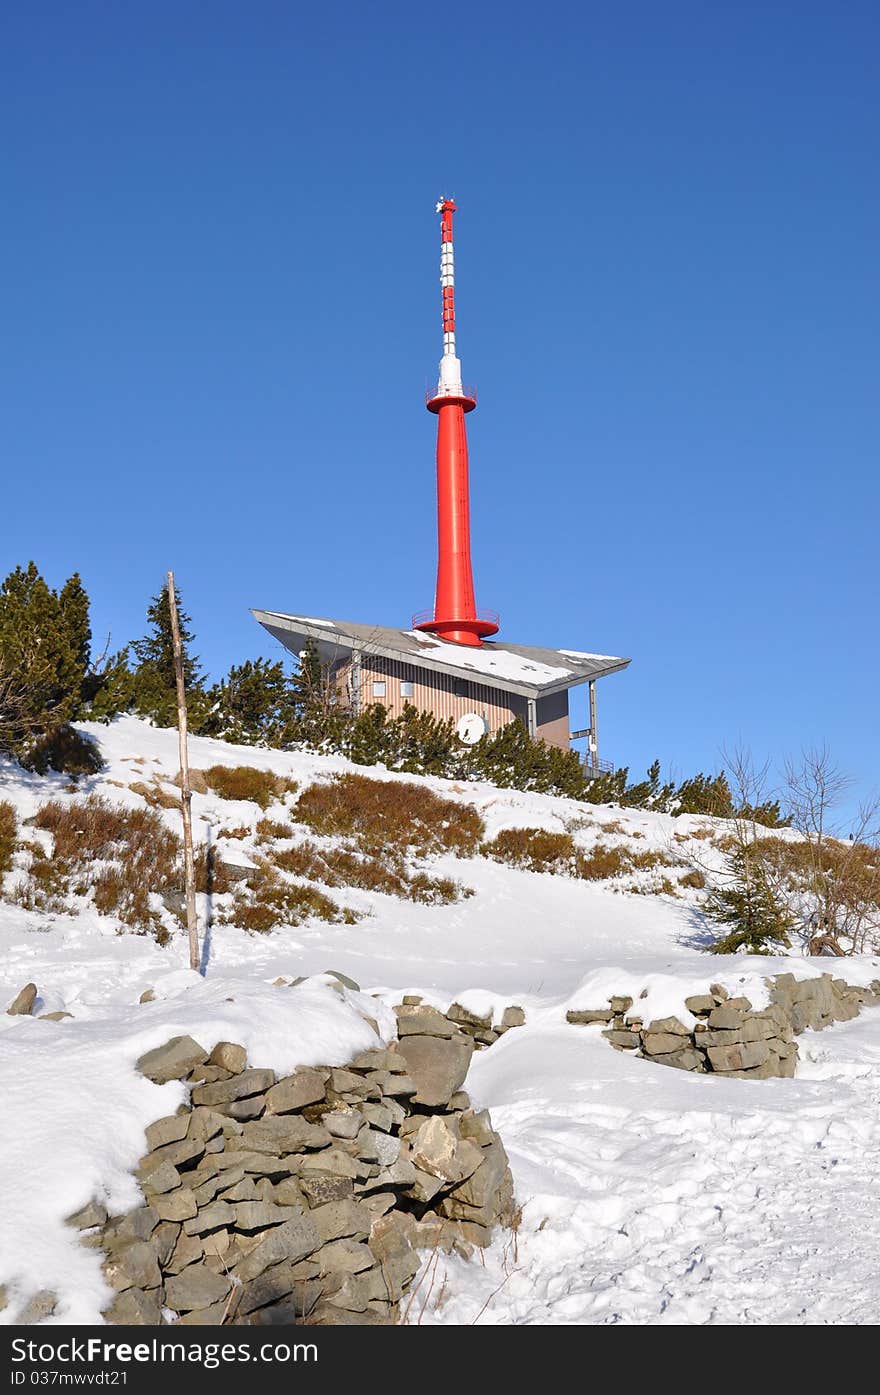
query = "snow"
{"x": 579, "y": 654}
{"x": 648, "y": 1195}
{"x": 498, "y": 663}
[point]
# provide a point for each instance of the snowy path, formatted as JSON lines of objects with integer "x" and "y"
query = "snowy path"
{"x": 684, "y": 1201}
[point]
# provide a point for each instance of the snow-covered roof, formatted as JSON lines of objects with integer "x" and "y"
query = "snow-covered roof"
{"x": 515, "y": 668}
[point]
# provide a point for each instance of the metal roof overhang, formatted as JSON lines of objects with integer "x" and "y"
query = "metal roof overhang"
{"x": 334, "y": 642}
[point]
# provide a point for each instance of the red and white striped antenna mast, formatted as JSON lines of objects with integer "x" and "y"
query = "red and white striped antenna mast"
{"x": 455, "y": 614}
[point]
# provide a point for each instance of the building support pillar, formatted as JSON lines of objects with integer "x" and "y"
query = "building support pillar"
{"x": 533, "y": 718}
{"x": 355, "y": 681}
{"x": 594, "y": 730}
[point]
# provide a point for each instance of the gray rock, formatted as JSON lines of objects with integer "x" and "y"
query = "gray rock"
{"x": 513, "y": 1017}
{"x": 54, "y": 1016}
{"x": 179, "y": 1205}
{"x": 135, "y": 1308}
{"x": 195, "y": 1287}
{"x": 345, "y": 1123}
{"x": 183, "y": 1151}
{"x": 585, "y": 1017}
{"x": 288, "y": 1192}
{"x": 249, "y": 1082}
{"x": 294, "y": 1240}
{"x": 735, "y": 1058}
{"x": 619, "y": 1005}
{"x": 317, "y": 1188}
{"x": 40, "y": 1306}
{"x": 700, "y": 1004}
{"x": 187, "y": 1250}
{"x": 379, "y": 1115}
{"x": 172, "y": 1061}
{"x": 22, "y": 1004}
{"x": 719, "y": 992}
{"x": 92, "y": 1214}
{"x": 133, "y": 1266}
{"x": 296, "y": 1091}
{"x": 668, "y": 1026}
{"x": 138, "y": 1224}
{"x": 250, "y": 1108}
{"x": 168, "y": 1130}
{"x": 165, "y": 1238}
{"x": 338, "y": 1219}
{"x": 375, "y": 1146}
{"x": 479, "y": 1189}
{"x": 214, "y": 1216}
{"x": 624, "y": 1041}
{"x": 478, "y": 1127}
{"x": 205, "y": 1124}
{"x": 394, "y": 1086}
{"x": 726, "y": 1017}
{"x": 686, "y": 1059}
{"x": 423, "y": 1021}
{"x": 708, "y": 1037}
{"x": 283, "y": 1134}
{"x": 345, "y": 1257}
{"x": 251, "y": 1216}
{"x": 437, "y": 1066}
{"x": 148, "y": 996}
{"x": 758, "y": 1029}
{"x": 230, "y": 1056}
{"x": 465, "y": 1018}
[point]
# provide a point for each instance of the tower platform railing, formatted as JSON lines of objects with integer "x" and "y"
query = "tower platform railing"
{"x": 422, "y": 617}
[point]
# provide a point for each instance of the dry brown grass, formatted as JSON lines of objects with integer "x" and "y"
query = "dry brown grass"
{"x": 602, "y": 863}
{"x": 8, "y": 836}
{"x": 135, "y": 851}
{"x": 242, "y": 831}
{"x": 267, "y": 829}
{"x": 260, "y": 787}
{"x": 391, "y": 814}
{"x": 535, "y": 849}
{"x": 155, "y": 795}
{"x": 339, "y": 866}
{"x": 122, "y": 855}
{"x": 695, "y": 879}
{"x": 265, "y": 901}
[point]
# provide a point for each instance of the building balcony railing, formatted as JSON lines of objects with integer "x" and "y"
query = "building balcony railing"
{"x": 593, "y": 769}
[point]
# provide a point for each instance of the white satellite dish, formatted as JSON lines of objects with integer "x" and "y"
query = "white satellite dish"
{"x": 470, "y": 728}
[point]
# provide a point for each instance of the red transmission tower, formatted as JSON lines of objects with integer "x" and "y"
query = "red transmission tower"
{"x": 455, "y": 614}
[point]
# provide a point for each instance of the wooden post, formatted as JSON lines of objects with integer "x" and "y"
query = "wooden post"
{"x": 185, "y": 791}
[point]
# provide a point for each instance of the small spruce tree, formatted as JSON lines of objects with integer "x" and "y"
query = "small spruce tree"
{"x": 759, "y": 920}
{"x": 155, "y": 686}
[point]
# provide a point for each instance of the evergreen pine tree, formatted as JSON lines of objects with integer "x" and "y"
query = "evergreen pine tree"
{"x": 254, "y": 704}
{"x": 155, "y": 685}
{"x": 75, "y": 615}
{"x": 759, "y": 919}
{"x": 43, "y": 661}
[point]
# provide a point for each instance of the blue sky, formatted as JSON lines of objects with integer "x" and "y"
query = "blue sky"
{"x": 220, "y": 310}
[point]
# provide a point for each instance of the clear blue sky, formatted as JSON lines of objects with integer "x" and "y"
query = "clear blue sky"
{"x": 219, "y": 311}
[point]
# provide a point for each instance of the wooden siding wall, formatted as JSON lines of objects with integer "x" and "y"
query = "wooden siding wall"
{"x": 438, "y": 693}
{"x": 552, "y": 720}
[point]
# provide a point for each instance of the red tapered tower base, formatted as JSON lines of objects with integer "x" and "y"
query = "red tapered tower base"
{"x": 455, "y": 614}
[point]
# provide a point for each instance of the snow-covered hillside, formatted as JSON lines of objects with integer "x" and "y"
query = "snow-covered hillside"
{"x": 647, "y": 1194}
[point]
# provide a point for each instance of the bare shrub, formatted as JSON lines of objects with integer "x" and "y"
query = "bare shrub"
{"x": 383, "y": 814}
{"x": 267, "y": 829}
{"x": 695, "y": 879}
{"x": 265, "y": 901}
{"x": 260, "y": 787}
{"x": 155, "y": 795}
{"x": 8, "y": 836}
{"x": 534, "y": 849}
{"x": 339, "y": 866}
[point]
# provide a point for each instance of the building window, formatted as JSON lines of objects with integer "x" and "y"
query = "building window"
{"x": 379, "y": 688}
{"x": 406, "y": 688}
